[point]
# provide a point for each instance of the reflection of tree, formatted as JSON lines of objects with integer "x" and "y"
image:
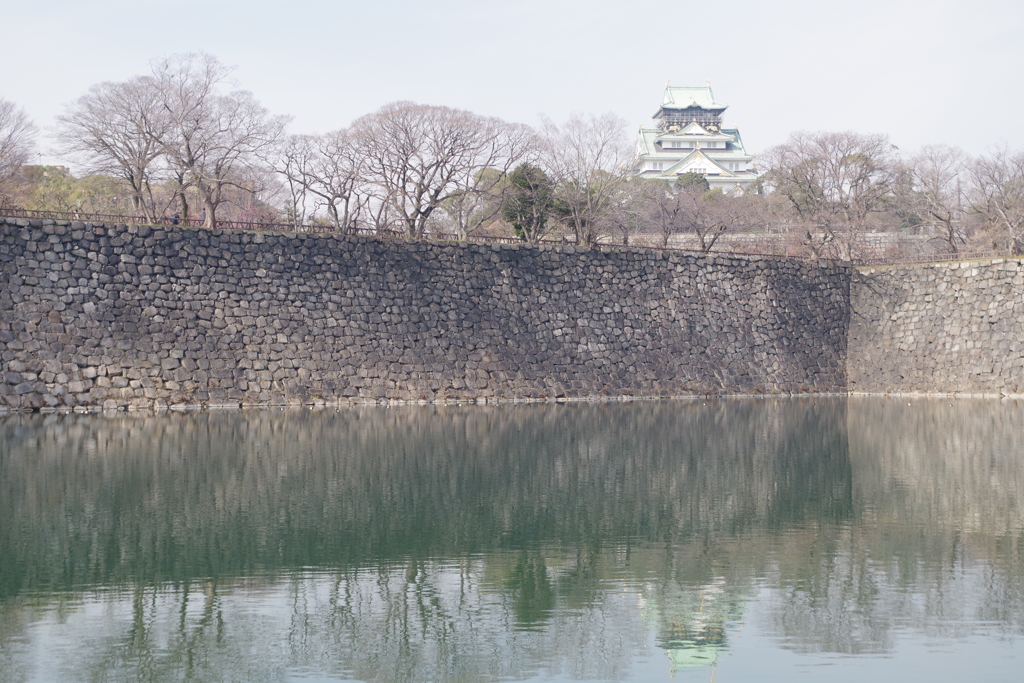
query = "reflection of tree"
{"x": 529, "y": 583}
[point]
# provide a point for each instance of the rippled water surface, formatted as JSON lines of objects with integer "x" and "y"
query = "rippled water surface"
{"x": 736, "y": 540}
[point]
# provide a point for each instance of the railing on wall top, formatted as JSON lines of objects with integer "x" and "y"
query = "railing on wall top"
{"x": 960, "y": 256}
{"x": 264, "y": 226}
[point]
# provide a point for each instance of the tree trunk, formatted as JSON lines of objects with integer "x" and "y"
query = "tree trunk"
{"x": 209, "y": 200}
{"x": 211, "y": 214}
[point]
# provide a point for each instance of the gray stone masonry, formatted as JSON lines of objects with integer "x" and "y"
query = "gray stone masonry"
{"x": 116, "y": 316}
{"x": 938, "y": 328}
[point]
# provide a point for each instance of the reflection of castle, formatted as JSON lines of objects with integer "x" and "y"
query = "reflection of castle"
{"x": 691, "y": 621}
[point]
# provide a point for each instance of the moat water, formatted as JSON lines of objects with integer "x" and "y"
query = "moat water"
{"x": 734, "y": 540}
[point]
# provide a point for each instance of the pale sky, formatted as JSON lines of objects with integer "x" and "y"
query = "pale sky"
{"x": 921, "y": 72}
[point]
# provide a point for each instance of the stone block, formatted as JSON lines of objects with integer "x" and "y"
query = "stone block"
{"x": 79, "y": 386}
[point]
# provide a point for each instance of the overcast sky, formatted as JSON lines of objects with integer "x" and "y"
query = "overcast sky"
{"x": 921, "y": 72}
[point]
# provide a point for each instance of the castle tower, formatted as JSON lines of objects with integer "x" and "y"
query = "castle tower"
{"x": 689, "y": 138}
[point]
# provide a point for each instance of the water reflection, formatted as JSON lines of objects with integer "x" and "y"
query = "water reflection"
{"x": 446, "y": 543}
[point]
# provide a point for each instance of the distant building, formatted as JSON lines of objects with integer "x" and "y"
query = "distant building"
{"x": 689, "y": 138}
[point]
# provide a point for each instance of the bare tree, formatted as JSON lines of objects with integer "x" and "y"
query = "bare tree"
{"x": 17, "y": 138}
{"x": 470, "y": 211}
{"x": 997, "y": 194}
{"x": 689, "y": 206}
{"x": 381, "y": 218}
{"x": 419, "y": 157}
{"x": 630, "y": 211}
{"x": 480, "y": 200}
{"x": 116, "y": 128}
{"x": 329, "y": 168}
{"x": 939, "y": 176}
{"x": 290, "y": 158}
{"x": 713, "y": 214}
{"x": 211, "y": 138}
{"x": 833, "y": 183}
{"x": 667, "y": 204}
{"x": 586, "y": 157}
{"x": 256, "y": 195}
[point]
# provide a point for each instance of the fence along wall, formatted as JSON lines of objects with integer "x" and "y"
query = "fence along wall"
{"x": 134, "y": 316}
{"x": 938, "y": 328}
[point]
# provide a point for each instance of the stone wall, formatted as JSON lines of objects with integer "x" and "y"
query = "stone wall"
{"x": 938, "y": 328}
{"x": 135, "y": 316}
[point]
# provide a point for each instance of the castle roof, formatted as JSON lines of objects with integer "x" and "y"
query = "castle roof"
{"x": 692, "y": 131}
{"x": 684, "y": 97}
{"x": 697, "y": 159}
{"x": 648, "y": 137}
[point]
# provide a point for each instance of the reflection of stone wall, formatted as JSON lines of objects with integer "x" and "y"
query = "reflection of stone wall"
{"x": 935, "y": 542}
{"x": 939, "y": 464}
{"x": 137, "y": 316}
{"x": 180, "y": 496}
{"x": 948, "y": 327}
